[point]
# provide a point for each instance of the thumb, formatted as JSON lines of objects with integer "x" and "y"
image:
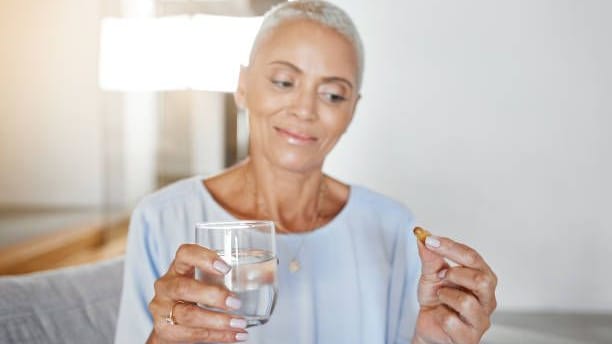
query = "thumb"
{"x": 431, "y": 262}
{"x": 431, "y": 265}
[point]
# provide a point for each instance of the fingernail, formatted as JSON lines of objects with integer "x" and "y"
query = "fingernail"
{"x": 432, "y": 241}
{"x": 238, "y": 323}
{"x": 233, "y": 303}
{"x": 242, "y": 336}
{"x": 442, "y": 273}
{"x": 221, "y": 266}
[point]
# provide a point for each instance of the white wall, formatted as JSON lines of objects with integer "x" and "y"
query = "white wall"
{"x": 50, "y": 150}
{"x": 192, "y": 134}
{"x": 140, "y": 126}
{"x": 207, "y": 133}
{"x": 139, "y": 123}
{"x": 175, "y": 139}
{"x": 491, "y": 121}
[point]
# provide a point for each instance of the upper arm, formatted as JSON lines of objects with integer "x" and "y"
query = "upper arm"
{"x": 140, "y": 272}
{"x": 406, "y": 271}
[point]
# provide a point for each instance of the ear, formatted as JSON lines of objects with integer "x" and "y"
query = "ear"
{"x": 240, "y": 94}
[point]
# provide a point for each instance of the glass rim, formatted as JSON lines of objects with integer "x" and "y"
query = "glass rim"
{"x": 237, "y": 225}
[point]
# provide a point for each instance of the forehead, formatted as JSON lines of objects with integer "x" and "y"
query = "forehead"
{"x": 311, "y": 46}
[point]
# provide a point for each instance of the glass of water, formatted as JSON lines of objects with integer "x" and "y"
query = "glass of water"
{"x": 249, "y": 247}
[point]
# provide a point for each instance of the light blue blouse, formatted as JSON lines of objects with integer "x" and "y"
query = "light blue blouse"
{"x": 357, "y": 282}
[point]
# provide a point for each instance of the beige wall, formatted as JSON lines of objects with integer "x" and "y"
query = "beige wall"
{"x": 192, "y": 134}
{"x": 50, "y": 132}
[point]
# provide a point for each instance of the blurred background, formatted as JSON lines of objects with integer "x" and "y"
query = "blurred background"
{"x": 103, "y": 102}
{"x": 491, "y": 120}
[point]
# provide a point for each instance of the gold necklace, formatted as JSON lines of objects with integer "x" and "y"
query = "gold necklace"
{"x": 294, "y": 263}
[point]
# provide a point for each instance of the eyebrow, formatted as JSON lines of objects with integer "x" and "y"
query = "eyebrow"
{"x": 327, "y": 79}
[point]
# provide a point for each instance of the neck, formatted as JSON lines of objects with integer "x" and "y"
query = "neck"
{"x": 292, "y": 200}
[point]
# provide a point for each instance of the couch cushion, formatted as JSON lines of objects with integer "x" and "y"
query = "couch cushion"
{"x": 72, "y": 305}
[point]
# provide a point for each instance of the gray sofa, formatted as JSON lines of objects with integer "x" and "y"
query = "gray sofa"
{"x": 72, "y": 305}
{"x": 79, "y": 305}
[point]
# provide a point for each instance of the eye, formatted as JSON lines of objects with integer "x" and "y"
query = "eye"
{"x": 282, "y": 84}
{"x": 333, "y": 97}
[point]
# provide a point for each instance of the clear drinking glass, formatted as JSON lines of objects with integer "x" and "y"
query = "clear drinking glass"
{"x": 249, "y": 247}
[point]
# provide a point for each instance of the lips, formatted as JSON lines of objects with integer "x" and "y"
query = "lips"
{"x": 295, "y": 137}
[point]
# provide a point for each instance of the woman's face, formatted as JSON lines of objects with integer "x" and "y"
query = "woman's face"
{"x": 300, "y": 92}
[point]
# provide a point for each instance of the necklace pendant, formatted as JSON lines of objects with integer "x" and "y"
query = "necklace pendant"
{"x": 294, "y": 266}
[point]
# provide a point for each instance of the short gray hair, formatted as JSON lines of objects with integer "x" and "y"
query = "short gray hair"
{"x": 321, "y": 12}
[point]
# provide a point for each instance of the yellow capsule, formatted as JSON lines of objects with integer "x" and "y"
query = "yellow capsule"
{"x": 421, "y": 234}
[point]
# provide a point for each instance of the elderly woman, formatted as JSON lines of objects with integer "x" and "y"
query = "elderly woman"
{"x": 362, "y": 276}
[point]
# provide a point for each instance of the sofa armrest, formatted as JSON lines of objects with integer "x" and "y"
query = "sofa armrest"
{"x": 71, "y": 305}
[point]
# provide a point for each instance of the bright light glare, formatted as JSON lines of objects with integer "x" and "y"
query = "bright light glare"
{"x": 203, "y": 52}
{"x": 221, "y": 45}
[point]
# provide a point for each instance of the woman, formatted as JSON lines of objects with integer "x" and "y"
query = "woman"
{"x": 360, "y": 279}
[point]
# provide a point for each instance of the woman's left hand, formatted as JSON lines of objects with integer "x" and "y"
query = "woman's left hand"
{"x": 456, "y": 302}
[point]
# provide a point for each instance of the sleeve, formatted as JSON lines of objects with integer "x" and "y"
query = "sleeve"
{"x": 141, "y": 270}
{"x": 406, "y": 271}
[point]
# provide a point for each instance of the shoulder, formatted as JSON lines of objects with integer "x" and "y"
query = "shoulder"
{"x": 374, "y": 212}
{"x": 377, "y": 214}
{"x": 172, "y": 204}
{"x": 177, "y": 195}
{"x": 164, "y": 219}
{"x": 382, "y": 222}
{"x": 369, "y": 201}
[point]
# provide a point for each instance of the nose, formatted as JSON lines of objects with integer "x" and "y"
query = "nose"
{"x": 305, "y": 105}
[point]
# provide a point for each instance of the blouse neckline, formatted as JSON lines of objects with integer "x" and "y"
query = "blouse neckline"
{"x": 204, "y": 192}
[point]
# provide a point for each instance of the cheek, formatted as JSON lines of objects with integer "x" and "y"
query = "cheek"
{"x": 262, "y": 100}
{"x": 336, "y": 122}
{"x": 263, "y": 104}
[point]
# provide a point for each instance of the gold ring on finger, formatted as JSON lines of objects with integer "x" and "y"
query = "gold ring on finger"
{"x": 171, "y": 319}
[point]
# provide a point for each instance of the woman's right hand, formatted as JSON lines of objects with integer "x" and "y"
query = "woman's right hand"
{"x": 193, "y": 323}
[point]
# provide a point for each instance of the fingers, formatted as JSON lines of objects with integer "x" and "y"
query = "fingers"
{"x": 473, "y": 273}
{"x": 190, "y": 256}
{"x": 458, "y": 331}
{"x": 457, "y": 252}
{"x": 429, "y": 283}
{"x": 481, "y": 284}
{"x": 431, "y": 262}
{"x": 457, "y": 300}
{"x": 191, "y": 315}
{"x": 190, "y": 290}
{"x": 195, "y": 324}
{"x": 466, "y": 305}
{"x": 184, "y": 334}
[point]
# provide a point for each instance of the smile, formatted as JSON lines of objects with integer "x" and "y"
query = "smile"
{"x": 294, "y": 137}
